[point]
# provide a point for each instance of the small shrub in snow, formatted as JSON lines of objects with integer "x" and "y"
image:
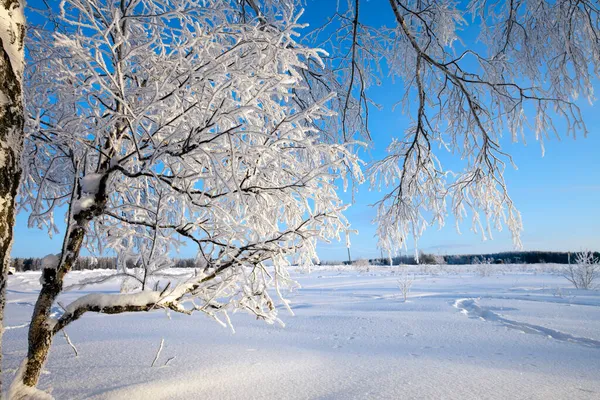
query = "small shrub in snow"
{"x": 405, "y": 284}
{"x": 558, "y": 292}
{"x": 361, "y": 264}
{"x": 584, "y": 272}
{"x": 524, "y": 268}
{"x": 484, "y": 267}
{"x": 426, "y": 269}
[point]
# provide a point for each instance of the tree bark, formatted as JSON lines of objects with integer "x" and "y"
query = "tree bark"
{"x": 12, "y": 29}
{"x": 41, "y": 329}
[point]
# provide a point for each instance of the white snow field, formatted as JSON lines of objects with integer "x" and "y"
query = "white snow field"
{"x": 520, "y": 333}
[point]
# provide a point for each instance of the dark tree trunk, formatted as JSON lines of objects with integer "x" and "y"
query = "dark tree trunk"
{"x": 40, "y": 332}
{"x": 11, "y": 134}
{"x": 41, "y": 329}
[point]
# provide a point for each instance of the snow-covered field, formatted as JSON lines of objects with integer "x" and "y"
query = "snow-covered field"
{"x": 520, "y": 333}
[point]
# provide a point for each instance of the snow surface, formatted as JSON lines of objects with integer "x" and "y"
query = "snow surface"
{"x": 19, "y": 391}
{"x": 521, "y": 333}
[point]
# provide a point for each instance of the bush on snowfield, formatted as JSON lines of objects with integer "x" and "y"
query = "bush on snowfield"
{"x": 584, "y": 272}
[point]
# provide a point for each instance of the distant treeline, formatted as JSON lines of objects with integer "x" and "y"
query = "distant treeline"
{"x": 509, "y": 257}
{"x": 83, "y": 263}
{"x": 512, "y": 257}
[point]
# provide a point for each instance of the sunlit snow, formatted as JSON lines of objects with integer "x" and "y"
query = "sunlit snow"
{"x": 522, "y": 332}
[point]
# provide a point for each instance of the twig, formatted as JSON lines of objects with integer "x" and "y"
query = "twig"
{"x": 162, "y": 342}
{"x": 169, "y": 360}
{"x": 68, "y": 339}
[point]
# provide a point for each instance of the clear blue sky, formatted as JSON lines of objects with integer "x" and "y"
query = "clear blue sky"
{"x": 558, "y": 194}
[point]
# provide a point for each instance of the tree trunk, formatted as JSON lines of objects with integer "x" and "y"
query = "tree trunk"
{"x": 12, "y": 29}
{"x": 41, "y": 329}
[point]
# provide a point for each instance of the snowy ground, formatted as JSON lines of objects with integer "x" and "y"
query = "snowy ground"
{"x": 519, "y": 334}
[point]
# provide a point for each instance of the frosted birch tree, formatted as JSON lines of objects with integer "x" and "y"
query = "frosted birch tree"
{"x": 467, "y": 74}
{"x": 12, "y": 35}
{"x": 159, "y": 122}
{"x": 207, "y": 121}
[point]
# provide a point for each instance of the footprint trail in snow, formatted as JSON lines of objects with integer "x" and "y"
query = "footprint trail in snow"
{"x": 471, "y": 308}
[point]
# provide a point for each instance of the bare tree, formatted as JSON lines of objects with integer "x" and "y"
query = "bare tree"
{"x": 12, "y": 32}
{"x": 469, "y": 73}
{"x": 585, "y": 272}
{"x": 405, "y": 283}
{"x": 160, "y": 123}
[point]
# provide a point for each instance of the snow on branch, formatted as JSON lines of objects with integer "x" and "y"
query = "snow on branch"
{"x": 468, "y": 75}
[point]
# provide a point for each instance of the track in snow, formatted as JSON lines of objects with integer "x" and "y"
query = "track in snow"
{"x": 474, "y": 310}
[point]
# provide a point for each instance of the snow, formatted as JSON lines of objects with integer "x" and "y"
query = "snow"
{"x": 102, "y": 300}
{"x": 90, "y": 183}
{"x": 471, "y": 308}
{"x": 18, "y": 391}
{"x": 519, "y": 333}
{"x": 89, "y": 186}
{"x": 83, "y": 203}
{"x": 50, "y": 261}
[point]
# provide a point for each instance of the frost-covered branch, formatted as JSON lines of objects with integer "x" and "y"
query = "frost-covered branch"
{"x": 172, "y": 123}
{"x": 520, "y": 66}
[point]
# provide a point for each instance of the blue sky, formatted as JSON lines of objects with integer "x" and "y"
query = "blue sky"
{"x": 558, "y": 194}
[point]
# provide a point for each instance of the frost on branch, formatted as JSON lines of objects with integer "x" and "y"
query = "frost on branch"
{"x": 584, "y": 273}
{"x": 470, "y": 76}
{"x": 184, "y": 123}
{"x": 180, "y": 122}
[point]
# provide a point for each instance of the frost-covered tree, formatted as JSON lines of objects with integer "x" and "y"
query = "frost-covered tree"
{"x": 163, "y": 122}
{"x": 467, "y": 73}
{"x": 12, "y": 32}
{"x": 207, "y": 121}
{"x": 585, "y": 272}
